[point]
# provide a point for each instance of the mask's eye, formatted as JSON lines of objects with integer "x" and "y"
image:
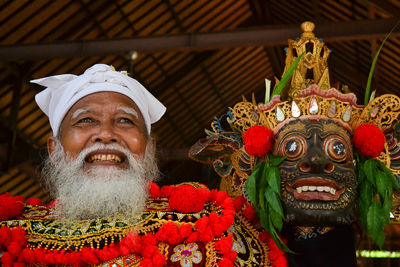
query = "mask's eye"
{"x": 336, "y": 148}
{"x": 293, "y": 147}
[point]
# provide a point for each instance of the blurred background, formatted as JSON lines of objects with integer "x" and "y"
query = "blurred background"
{"x": 197, "y": 57}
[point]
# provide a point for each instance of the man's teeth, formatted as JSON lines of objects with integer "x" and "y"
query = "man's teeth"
{"x": 312, "y": 188}
{"x": 105, "y": 157}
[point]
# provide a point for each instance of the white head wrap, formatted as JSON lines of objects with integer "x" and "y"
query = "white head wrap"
{"x": 63, "y": 91}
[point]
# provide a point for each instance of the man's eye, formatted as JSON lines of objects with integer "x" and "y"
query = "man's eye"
{"x": 85, "y": 120}
{"x": 126, "y": 120}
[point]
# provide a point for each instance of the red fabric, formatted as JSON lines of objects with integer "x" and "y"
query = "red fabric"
{"x": 34, "y": 201}
{"x": 369, "y": 140}
{"x": 258, "y": 140}
{"x": 11, "y": 207}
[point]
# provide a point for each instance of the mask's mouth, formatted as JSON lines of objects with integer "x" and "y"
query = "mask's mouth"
{"x": 106, "y": 158}
{"x": 315, "y": 188}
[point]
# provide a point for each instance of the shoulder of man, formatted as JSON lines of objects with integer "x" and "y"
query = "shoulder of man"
{"x": 182, "y": 224}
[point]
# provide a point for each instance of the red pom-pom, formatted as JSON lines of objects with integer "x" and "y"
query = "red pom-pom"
{"x": 154, "y": 190}
{"x": 239, "y": 202}
{"x": 169, "y": 232}
{"x": 258, "y": 140}
{"x": 225, "y": 263}
{"x": 281, "y": 262}
{"x": 5, "y": 236}
{"x": 7, "y": 259}
{"x": 159, "y": 260}
{"x": 166, "y": 190}
{"x": 369, "y": 140}
{"x": 187, "y": 199}
{"x": 146, "y": 263}
{"x": 264, "y": 236}
{"x": 11, "y": 207}
{"x": 18, "y": 235}
{"x": 34, "y": 201}
{"x": 185, "y": 230}
{"x": 249, "y": 212}
{"x": 88, "y": 256}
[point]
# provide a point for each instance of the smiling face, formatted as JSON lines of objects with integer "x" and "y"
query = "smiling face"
{"x": 103, "y": 118}
{"x": 318, "y": 176}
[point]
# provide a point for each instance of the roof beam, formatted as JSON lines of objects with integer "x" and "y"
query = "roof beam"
{"x": 268, "y": 36}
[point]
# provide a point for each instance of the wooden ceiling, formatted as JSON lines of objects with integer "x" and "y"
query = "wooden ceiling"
{"x": 197, "y": 57}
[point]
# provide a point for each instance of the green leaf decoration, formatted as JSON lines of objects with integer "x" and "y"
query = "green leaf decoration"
{"x": 251, "y": 188}
{"x": 369, "y": 168}
{"x": 371, "y": 71}
{"x": 376, "y": 183}
{"x": 376, "y": 224}
{"x": 276, "y": 160}
{"x": 263, "y": 190}
{"x": 286, "y": 77}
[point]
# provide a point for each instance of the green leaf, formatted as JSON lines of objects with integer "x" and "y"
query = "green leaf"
{"x": 376, "y": 225}
{"x": 369, "y": 167}
{"x": 274, "y": 201}
{"x": 387, "y": 206}
{"x": 264, "y": 219}
{"x": 383, "y": 183}
{"x": 251, "y": 188}
{"x": 276, "y": 160}
{"x": 274, "y": 178}
{"x": 395, "y": 183}
{"x": 276, "y": 219}
{"x": 286, "y": 76}
{"x": 261, "y": 196}
{"x": 371, "y": 71}
{"x": 366, "y": 195}
{"x": 279, "y": 243}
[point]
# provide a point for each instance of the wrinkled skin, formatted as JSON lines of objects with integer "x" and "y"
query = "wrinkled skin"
{"x": 319, "y": 182}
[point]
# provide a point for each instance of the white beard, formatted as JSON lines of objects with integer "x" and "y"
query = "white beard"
{"x": 99, "y": 192}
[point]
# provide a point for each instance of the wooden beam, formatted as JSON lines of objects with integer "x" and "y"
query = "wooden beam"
{"x": 267, "y": 36}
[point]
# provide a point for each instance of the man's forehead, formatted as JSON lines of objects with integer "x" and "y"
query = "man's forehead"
{"x": 97, "y": 101}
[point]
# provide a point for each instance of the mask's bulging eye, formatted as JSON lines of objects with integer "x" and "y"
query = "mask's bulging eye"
{"x": 336, "y": 148}
{"x": 293, "y": 147}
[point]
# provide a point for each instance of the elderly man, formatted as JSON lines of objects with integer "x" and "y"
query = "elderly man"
{"x": 100, "y": 170}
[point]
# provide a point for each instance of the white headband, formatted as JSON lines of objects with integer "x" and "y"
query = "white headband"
{"x": 63, "y": 91}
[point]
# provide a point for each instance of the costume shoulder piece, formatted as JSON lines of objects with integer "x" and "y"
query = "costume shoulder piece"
{"x": 183, "y": 225}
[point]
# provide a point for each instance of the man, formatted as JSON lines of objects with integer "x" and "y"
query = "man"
{"x": 100, "y": 167}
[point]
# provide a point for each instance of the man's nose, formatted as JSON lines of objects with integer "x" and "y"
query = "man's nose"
{"x": 106, "y": 134}
{"x": 316, "y": 162}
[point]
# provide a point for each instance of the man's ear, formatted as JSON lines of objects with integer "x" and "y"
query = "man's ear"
{"x": 51, "y": 145}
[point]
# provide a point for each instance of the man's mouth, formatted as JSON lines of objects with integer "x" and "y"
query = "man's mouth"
{"x": 315, "y": 188}
{"x": 106, "y": 157}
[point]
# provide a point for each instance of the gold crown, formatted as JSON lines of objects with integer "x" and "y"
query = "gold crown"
{"x": 313, "y": 67}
